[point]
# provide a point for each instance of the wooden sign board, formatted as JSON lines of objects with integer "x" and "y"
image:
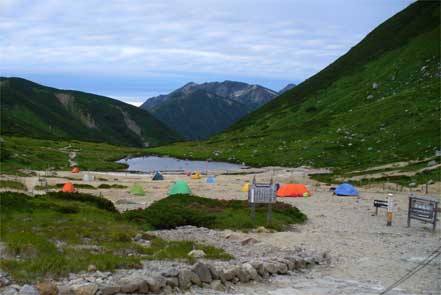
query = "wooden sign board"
{"x": 262, "y": 194}
{"x": 422, "y": 209}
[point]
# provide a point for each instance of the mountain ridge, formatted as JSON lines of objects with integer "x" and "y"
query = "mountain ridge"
{"x": 35, "y": 110}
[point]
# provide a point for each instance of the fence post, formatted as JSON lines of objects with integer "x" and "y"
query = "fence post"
{"x": 269, "y": 214}
{"x": 408, "y": 212}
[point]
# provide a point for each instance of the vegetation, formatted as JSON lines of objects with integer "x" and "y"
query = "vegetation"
{"x": 105, "y": 185}
{"x": 30, "y": 109}
{"x": 377, "y": 104}
{"x": 58, "y": 233}
{"x": 38, "y": 154}
{"x": 12, "y": 184}
{"x": 178, "y": 210}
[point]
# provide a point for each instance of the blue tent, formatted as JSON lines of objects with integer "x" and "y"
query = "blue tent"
{"x": 158, "y": 176}
{"x": 211, "y": 179}
{"x": 345, "y": 189}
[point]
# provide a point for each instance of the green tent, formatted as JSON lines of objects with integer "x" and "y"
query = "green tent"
{"x": 179, "y": 188}
{"x": 137, "y": 190}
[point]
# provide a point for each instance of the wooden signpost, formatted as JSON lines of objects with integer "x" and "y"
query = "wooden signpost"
{"x": 262, "y": 193}
{"x": 422, "y": 209}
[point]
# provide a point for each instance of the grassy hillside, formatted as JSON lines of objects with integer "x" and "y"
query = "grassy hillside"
{"x": 21, "y": 153}
{"x": 30, "y": 109}
{"x": 378, "y": 103}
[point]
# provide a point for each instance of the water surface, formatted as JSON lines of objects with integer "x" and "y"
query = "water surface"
{"x": 152, "y": 163}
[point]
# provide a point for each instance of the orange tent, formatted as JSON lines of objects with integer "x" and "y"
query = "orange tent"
{"x": 68, "y": 187}
{"x": 75, "y": 170}
{"x": 293, "y": 190}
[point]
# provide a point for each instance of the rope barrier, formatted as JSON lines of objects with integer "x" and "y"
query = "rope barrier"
{"x": 413, "y": 271}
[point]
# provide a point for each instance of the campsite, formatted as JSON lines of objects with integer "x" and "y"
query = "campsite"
{"x": 220, "y": 147}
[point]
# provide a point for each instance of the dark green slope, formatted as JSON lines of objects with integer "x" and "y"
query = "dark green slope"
{"x": 378, "y": 103}
{"x": 30, "y": 109}
{"x": 199, "y": 114}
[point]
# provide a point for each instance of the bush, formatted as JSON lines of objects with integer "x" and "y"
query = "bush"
{"x": 99, "y": 202}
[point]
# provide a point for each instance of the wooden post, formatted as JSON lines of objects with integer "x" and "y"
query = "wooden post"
{"x": 253, "y": 211}
{"x": 376, "y": 211}
{"x": 435, "y": 217}
{"x": 427, "y": 188}
{"x": 389, "y": 209}
{"x": 408, "y": 211}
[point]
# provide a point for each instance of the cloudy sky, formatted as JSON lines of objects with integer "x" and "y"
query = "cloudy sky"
{"x": 132, "y": 50}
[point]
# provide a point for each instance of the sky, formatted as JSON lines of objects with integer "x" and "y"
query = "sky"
{"x": 132, "y": 50}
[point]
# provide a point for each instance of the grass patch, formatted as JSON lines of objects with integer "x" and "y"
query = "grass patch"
{"x": 180, "y": 210}
{"x": 59, "y": 233}
{"x": 108, "y": 186}
{"x": 12, "y": 184}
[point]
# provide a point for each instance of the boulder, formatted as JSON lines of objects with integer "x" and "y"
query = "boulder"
{"x": 65, "y": 290}
{"x": 8, "y": 291}
{"x": 248, "y": 241}
{"x": 231, "y": 273}
{"x": 203, "y": 271}
{"x": 85, "y": 289}
{"x": 172, "y": 282}
{"x": 91, "y": 268}
{"x": 171, "y": 272}
{"x": 196, "y": 253}
{"x": 156, "y": 283}
{"x": 130, "y": 285}
{"x": 242, "y": 275}
{"x": 186, "y": 278}
{"x": 110, "y": 289}
{"x": 47, "y": 288}
{"x": 217, "y": 285}
{"x": 269, "y": 267}
{"x": 250, "y": 270}
{"x": 215, "y": 275}
{"x": 28, "y": 290}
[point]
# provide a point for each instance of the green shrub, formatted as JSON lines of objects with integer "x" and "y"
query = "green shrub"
{"x": 99, "y": 202}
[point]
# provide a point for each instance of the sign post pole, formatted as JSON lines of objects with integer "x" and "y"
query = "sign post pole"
{"x": 389, "y": 209}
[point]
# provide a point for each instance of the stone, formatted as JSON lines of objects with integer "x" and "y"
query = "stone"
{"x": 260, "y": 269}
{"x": 215, "y": 275}
{"x": 202, "y": 270}
{"x": 186, "y": 278}
{"x": 171, "y": 272}
{"x": 217, "y": 285}
{"x": 91, "y": 268}
{"x": 28, "y": 290}
{"x": 138, "y": 237}
{"x": 110, "y": 289}
{"x": 172, "y": 282}
{"x": 242, "y": 275}
{"x": 156, "y": 283}
{"x": 270, "y": 267}
{"x": 196, "y": 253}
{"x": 431, "y": 163}
{"x": 262, "y": 230}
{"x": 4, "y": 282}
{"x": 230, "y": 274}
{"x": 9, "y": 291}
{"x": 250, "y": 270}
{"x": 47, "y": 288}
{"x": 370, "y": 96}
{"x": 85, "y": 289}
{"x": 375, "y": 85}
{"x": 248, "y": 241}
{"x": 65, "y": 290}
{"x": 167, "y": 290}
{"x": 282, "y": 268}
{"x": 129, "y": 285}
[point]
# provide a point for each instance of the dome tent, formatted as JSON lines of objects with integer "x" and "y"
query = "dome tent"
{"x": 75, "y": 170}
{"x": 137, "y": 190}
{"x": 196, "y": 175}
{"x": 246, "y": 187}
{"x": 88, "y": 177}
{"x": 179, "y": 188}
{"x": 68, "y": 187}
{"x": 211, "y": 179}
{"x": 345, "y": 189}
{"x": 293, "y": 190}
{"x": 157, "y": 176}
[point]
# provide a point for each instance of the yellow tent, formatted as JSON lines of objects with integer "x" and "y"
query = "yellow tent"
{"x": 246, "y": 187}
{"x": 196, "y": 176}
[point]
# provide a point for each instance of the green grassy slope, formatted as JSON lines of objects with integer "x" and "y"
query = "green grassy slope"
{"x": 338, "y": 118}
{"x": 30, "y": 109}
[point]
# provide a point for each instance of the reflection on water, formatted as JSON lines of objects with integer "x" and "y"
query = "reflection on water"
{"x": 153, "y": 163}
